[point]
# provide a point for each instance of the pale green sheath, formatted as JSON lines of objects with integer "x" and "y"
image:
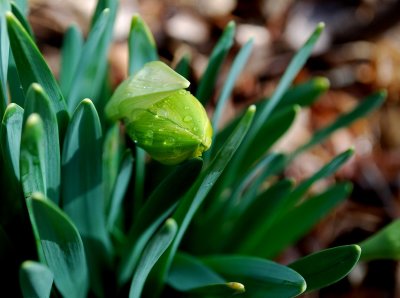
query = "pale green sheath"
{"x": 160, "y": 116}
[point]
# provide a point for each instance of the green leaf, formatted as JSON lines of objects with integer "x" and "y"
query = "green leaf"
{"x": 328, "y": 266}
{"x": 153, "y": 251}
{"x": 20, "y": 12}
{"x": 385, "y": 244}
{"x": 88, "y": 77}
{"x": 120, "y": 188}
{"x": 188, "y": 273}
{"x": 14, "y": 83}
{"x": 223, "y": 290}
{"x": 196, "y": 195}
{"x": 32, "y": 68}
{"x": 82, "y": 189}
{"x": 367, "y": 105}
{"x": 209, "y": 78}
{"x": 264, "y": 113}
{"x": 183, "y": 66}
{"x": 38, "y": 102}
{"x": 326, "y": 171}
{"x": 22, "y": 6}
{"x": 36, "y": 280}
{"x": 4, "y": 53}
{"x": 113, "y": 149}
{"x": 271, "y": 131}
{"x": 302, "y": 95}
{"x": 291, "y": 72}
{"x": 70, "y": 53}
{"x": 60, "y": 246}
{"x": 32, "y": 157}
{"x": 157, "y": 208}
{"x": 10, "y": 134}
{"x": 256, "y": 216}
{"x": 287, "y": 201}
{"x": 294, "y": 223}
{"x": 237, "y": 66}
{"x": 142, "y": 47}
{"x": 262, "y": 278}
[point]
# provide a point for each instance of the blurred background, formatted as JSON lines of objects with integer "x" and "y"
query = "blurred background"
{"x": 359, "y": 52}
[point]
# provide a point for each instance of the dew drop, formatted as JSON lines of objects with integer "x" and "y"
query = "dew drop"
{"x": 182, "y": 92}
{"x": 169, "y": 141}
{"x": 186, "y": 108}
{"x": 148, "y": 137}
{"x": 187, "y": 118}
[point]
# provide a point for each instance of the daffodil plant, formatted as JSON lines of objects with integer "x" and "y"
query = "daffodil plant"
{"x": 129, "y": 193}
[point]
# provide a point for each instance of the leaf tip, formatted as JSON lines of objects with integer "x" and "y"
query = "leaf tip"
{"x": 171, "y": 224}
{"x": 37, "y": 87}
{"x": 382, "y": 93}
{"x": 87, "y": 101}
{"x": 320, "y": 27}
{"x": 33, "y": 120}
{"x": 322, "y": 83}
{"x": 236, "y": 286}
{"x": 9, "y": 16}
{"x": 231, "y": 25}
{"x": 252, "y": 109}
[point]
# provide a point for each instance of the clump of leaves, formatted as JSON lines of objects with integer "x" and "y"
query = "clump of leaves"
{"x": 86, "y": 212}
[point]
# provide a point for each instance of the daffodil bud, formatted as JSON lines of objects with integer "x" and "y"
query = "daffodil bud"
{"x": 160, "y": 116}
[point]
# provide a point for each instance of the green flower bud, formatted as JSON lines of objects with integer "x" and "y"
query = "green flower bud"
{"x": 160, "y": 116}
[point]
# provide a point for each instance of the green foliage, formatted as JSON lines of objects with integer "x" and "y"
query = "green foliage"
{"x": 84, "y": 212}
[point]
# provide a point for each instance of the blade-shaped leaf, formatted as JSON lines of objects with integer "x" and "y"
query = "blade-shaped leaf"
{"x": 223, "y": 290}
{"x": 196, "y": 195}
{"x": 32, "y": 68}
{"x": 267, "y": 135}
{"x": 237, "y": 66}
{"x": 384, "y": 244}
{"x": 262, "y": 278}
{"x": 302, "y": 95}
{"x": 60, "y": 246}
{"x": 82, "y": 189}
{"x": 188, "y": 273}
{"x": 113, "y": 149}
{"x": 153, "y": 251}
{"x": 70, "y": 53}
{"x": 4, "y": 52}
{"x": 35, "y": 279}
{"x": 20, "y": 12}
{"x": 295, "y": 223}
{"x": 209, "y": 78}
{"x": 120, "y": 188}
{"x": 263, "y": 114}
{"x": 293, "y": 68}
{"x": 183, "y": 66}
{"x": 157, "y": 208}
{"x": 328, "y": 266}
{"x": 367, "y": 105}
{"x": 32, "y": 157}
{"x": 142, "y": 47}
{"x": 10, "y": 134}
{"x": 38, "y": 102}
{"x": 88, "y": 78}
{"x": 326, "y": 171}
{"x": 257, "y": 215}
{"x": 22, "y": 6}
